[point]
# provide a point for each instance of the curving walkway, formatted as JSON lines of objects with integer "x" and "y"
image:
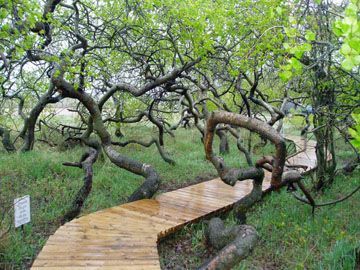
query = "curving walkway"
{"x": 126, "y": 236}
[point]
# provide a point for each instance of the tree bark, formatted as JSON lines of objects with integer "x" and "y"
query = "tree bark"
{"x": 230, "y": 176}
{"x": 118, "y": 114}
{"x": 324, "y": 100}
{"x": 28, "y": 131}
{"x": 224, "y": 144}
{"x": 6, "y": 140}
{"x": 86, "y": 163}
{"x": 236, "y": 243}
{"x": 152, "y": 179}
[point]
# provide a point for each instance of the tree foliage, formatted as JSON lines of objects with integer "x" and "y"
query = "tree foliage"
{"x": 167, "y": 63}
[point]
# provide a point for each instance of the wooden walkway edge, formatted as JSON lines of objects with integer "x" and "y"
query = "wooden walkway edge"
{"x": 126, "y": 236}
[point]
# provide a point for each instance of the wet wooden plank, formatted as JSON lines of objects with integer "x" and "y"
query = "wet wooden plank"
{"x": 123, "y": 267}
{"x": 99, "y": 263}
{"x": 125, "y": 237}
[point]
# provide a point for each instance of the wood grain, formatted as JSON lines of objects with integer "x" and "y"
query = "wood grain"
{"x": 125, "y": 237}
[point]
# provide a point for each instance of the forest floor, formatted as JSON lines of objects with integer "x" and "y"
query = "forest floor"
{"x": 290, "y": 237}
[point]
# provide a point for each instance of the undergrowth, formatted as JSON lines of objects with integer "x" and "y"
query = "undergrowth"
{"x": 290, "y": 237}
{"x": 52, "y": 187}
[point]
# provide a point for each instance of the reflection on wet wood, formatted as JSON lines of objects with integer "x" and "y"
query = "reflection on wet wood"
{"x": 125, "y": 237}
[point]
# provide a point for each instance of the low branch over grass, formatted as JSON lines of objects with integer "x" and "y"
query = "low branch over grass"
{"x": 237, "y": 242}
{"x": 160, "y": 148}
{"x": 230, "y": 176}
{"x": 86, "y": 163}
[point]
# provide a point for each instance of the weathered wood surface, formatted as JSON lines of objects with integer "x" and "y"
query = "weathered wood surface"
{"x": 125, "y": 237}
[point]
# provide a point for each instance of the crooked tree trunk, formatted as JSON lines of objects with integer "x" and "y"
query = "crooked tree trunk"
{"x": 86, "y": 163}
{"x": 6, "y": 140}
{"x": 236, "y": 243}
{"x": 325, "y": 171}
{"x": 324, "y": 121}
{"x": 224, "y": 144}
{"x": 152, "y": 179}
{"x": 28, "y": 131}
{"x": 230, "y": 176}
{"x": 118, "y": 114}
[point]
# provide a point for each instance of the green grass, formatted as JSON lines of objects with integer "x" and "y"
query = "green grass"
{"x": 289, "y": 235}
{"x": 292, "y": 239}
{"x": 52, "y": 186}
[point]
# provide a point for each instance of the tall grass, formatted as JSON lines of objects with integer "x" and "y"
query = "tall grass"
{"x": 52, "y": 187}
{"x": 290, "y": 237}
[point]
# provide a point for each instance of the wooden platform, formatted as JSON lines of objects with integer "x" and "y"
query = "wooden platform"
{"x": 125, "y": 237}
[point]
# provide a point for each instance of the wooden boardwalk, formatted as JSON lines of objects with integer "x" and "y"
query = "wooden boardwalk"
{"x": 126, "y": 236}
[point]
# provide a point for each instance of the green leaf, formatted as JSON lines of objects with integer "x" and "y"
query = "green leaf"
{"x": 3, "y": 13}
{"x": 272, "y": 13}
{"x": 356, "y": 60}
{"x": 351, "y": 10}
{"x": 6, "y": 27}
{"x": 285, "y": 75}
{"x": 344, "y": 27}
{"x": 355, "y": 44}
{"x": 306, "y": 47}
{"x": 298, "y": 54}
{"x": 287, "y": 67}
{"x": 345, "y": 49}
{"x": 338, "y": 32}
{"x": 296, "y": 64}
{"x": 347, "y": 64}
{"x": 355, "y": 132}
{"x": 310, "y": 36}
{"x": 290, "y": 32}
{"x": 210, "y": 106}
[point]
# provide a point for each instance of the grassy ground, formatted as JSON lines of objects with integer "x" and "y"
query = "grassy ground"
{"x": 291, "y": 238}
{"x": 52, "y": 188}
